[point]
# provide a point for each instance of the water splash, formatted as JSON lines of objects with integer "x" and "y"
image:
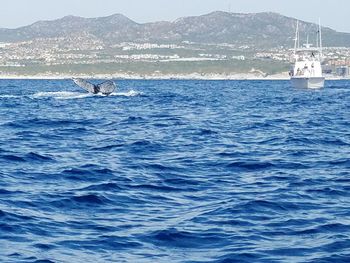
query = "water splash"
{"x": 62, "y": 95}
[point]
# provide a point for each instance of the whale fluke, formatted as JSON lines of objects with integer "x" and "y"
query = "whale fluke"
{"x": 105, "y": 88}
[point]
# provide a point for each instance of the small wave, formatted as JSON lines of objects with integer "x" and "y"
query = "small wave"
{"x": 78, "y": 201}
{"x": 44, "y": 247}
{"x": 43, "y": 261}
{"x": 204, "y": 132}
{"x": 12, "y": 217}
{"x": 160, "y": 167}
{"x": 2, "y": 214}
{"x": 132, "y": 120}
{"x": 241, "y": 258}
{"x": 157, "y": 188}
{"x": 179, "y": 182}
{"x": 6, "y": 192}
{"x": 251, "y": 165}
{"x": 90, "y": 199}
{"x": 13, "y": 158}
{"x": 328, "y": 192}
{"x": 327, "y": 228}
{"x": 143, "y": 146}
{"x": 38, "y": 157}
{"x": 183, "y": 239}
{"x": 107, "y": 147}
{"x": 78, "y": 171}
{"x": 103, "y": 187}
{"x": 101, "y": 242}
{"x": 263, "y": 206}
{"x": 141, "y": 143}
{"x": 87, "y": 173}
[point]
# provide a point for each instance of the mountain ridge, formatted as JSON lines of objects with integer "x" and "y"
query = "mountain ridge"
{"x": 258, "y": 30}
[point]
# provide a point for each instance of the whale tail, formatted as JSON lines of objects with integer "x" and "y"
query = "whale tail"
{"x": 89, "y": 87}
{"x": 105, "y": 88}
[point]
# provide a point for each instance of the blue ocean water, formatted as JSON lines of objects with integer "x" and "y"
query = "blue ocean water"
{"x": 174, "y": 171}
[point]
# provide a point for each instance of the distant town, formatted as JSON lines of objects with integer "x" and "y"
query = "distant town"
{"x": 58, "y": 56}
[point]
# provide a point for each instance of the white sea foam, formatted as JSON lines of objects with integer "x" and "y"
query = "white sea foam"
{"x": 63, "y": 95}
{"x": 9, "y": 96}
{"x": 130, "y": 93}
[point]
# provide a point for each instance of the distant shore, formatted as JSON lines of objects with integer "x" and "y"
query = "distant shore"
{"x": 192, "y": 76}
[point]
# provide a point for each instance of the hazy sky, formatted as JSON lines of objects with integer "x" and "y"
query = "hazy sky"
{"x": 15, "y": 13}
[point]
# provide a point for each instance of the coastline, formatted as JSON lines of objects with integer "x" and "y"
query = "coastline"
{"x": 192, "y": 76}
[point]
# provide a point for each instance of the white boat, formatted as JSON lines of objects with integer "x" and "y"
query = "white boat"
{"x": 307, "y": 70}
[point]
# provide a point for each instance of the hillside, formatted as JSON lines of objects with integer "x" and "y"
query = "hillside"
{"x": 257, "y": 30}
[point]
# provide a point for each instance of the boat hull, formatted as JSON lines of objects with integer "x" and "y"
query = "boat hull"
{"x": 308, "y": 83}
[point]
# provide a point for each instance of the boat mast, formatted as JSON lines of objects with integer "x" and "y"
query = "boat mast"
{"x": 296, "y": 43}
{"x": 320, "y": 34}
